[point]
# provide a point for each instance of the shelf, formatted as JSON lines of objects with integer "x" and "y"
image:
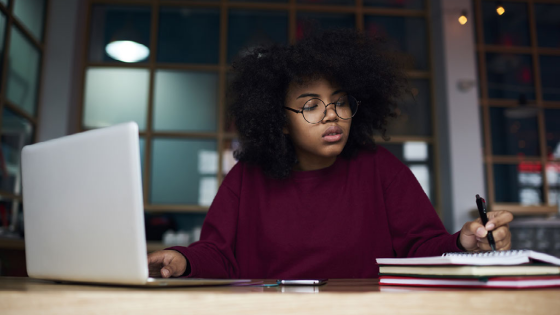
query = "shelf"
{"x": 9, "y": 243}
{"x": 520, "y": 210}
{"x": 154, "y": 245}
{"x": 19, "y": 244}
{"x": 176, "y": 208}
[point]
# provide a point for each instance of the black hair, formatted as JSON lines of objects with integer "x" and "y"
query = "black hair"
{"x": 360, "y": 64}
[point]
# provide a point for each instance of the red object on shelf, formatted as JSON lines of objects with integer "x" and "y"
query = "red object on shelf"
{"x": 4, "y": 215}
{"x": 529, "y": 167}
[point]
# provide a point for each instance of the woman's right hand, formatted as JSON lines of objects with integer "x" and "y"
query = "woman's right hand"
{"x": 166, "y": 263}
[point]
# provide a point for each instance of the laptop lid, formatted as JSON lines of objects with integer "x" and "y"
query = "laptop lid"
{"x": 83, "y": 207}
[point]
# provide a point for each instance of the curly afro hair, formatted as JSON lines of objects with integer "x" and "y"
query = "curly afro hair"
{"x": 358, "y": 63}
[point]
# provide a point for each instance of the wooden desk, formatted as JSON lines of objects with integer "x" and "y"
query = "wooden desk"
{"x": 364, "y": 296}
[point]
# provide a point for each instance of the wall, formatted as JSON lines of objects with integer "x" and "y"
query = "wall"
{"x": 458, "y": 120}
{"x": 61, "y": 79}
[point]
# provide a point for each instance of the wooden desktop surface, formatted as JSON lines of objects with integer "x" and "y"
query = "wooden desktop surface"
{"x": 363, "y": 296}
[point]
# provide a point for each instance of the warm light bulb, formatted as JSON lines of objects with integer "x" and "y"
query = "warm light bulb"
{"x": 127, "y": 51}
{"x": 463, "y": 20}
{"x": 500, "y": 10}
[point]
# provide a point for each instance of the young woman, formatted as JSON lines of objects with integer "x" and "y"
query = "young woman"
{"x": 312, "y": 195}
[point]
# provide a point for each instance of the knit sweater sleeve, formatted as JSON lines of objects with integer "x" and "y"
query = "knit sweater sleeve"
{"x": 416, "y": 230}
{"x": 214, "y": 255}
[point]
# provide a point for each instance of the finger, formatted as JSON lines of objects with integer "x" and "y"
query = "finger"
{"x": 156, "y": 272}
{"x": 171, "y": 270}
{"x": 476, "y": 228}
{"x": 483, "y": 244}
{"x": 166, "y": 272}
{"x": 501, "y": 245}
{"x": 156, "y": 257}
{"x": 167, "y": 267}
{"x": 501, "y": 233}
{"x": 170, "y": 265}
{"x": 498, "y": 234}
{"x": 155, "y": 263}
{"x": 498, "y": 218}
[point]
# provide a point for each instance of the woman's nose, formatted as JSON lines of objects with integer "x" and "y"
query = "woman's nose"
{"x": 330, "y": 113}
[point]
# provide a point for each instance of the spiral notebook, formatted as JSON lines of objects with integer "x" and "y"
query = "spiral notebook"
{"x": 508, "y": 257}
{"x": 493, "y": 282}
{"x": 460, "y": 271}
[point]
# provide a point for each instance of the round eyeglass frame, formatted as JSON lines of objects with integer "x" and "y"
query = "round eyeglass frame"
{"x": 325, "y": 111}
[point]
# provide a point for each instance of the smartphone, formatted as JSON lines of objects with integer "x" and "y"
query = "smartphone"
{"x": 302, "y": 282}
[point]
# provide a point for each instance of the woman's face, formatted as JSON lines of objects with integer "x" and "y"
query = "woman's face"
{"x": 316, "y": 145}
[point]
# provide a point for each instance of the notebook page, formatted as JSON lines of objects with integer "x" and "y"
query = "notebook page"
{"x": 513, "y": 257}
{"x": 542, "y": 257}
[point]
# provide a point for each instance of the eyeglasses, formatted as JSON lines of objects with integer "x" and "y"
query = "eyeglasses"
{"x": 345, "y": 108}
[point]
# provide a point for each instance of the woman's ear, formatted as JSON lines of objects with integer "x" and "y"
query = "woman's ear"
{"x": 285, "y": 130}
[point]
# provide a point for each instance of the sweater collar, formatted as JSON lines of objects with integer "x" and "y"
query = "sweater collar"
{"x": 297, "y": 175}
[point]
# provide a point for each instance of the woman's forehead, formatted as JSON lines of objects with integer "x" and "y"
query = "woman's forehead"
{"x": 311, "y": 86}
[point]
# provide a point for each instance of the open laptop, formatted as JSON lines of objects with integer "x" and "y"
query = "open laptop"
{"x": 84, "y": 212}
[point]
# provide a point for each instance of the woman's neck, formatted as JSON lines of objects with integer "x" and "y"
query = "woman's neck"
{"x": 312, "y": 164}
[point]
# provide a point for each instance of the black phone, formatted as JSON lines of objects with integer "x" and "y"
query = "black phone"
{"x": 302, "y": 282}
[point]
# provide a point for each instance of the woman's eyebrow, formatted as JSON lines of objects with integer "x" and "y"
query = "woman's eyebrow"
{"x": 316, "y": 95}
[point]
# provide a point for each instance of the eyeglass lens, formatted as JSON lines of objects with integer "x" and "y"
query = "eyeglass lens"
{"x": 345, "y": 107}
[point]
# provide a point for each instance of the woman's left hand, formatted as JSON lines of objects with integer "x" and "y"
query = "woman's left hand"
{"x": 473, "y": 234}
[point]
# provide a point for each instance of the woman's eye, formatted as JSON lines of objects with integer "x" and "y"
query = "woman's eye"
{"x": 309, "y": 108}
{"x": 340, "y": 104}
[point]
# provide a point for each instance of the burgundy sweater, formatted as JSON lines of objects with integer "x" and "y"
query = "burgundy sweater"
{"x": 328, "y": 223}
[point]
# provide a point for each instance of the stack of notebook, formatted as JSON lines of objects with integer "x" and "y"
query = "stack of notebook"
{"x": 500, "y": 269}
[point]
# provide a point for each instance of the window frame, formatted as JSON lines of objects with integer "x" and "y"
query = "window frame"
{"x": 222, "y": 136}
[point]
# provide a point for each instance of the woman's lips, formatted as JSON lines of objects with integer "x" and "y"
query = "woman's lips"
{"x": 333, "y": 138}
{"x": 332, "y": 134}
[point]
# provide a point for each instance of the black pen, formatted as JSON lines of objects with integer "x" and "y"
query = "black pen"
{"x": 481, "y": 205}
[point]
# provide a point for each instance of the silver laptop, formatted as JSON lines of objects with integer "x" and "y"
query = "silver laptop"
{"x": 83, "y": 210}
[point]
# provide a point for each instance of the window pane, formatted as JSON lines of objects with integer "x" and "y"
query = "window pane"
{"x": 16, "y": 132}
{"x": 2, "y": 36}
{"x": 184, "y": 171}
{"x": 189, "y": 223}
{"x": 405, "y": 4}
{"x": 518, "y": 183}
{"x": 548, "y": 30}
{"x": 406, "y": 35}
{"x": 110, "y": 23}
{"x": 550, "y": 68}
{"x": 228, "y": 161}
{"x": 552, "y": 127}
{"x": 4, "y": 2}
{"x": 508, "y": 29}
{"x": 185, "y": 101}
{"x": 510, "y": 76}
{"x": 418, "y": 157}
{"x": 23, "y": 72}
{"x": 514, "y": 131}
{"x": 553, "y": 178}
{"x": 142, "y": 145}
{"x": 31, "y": 13}
{"x": 189, "y": 35}
{"x": 308, "y": 22}
{"x": 328, "y": 2}
{"x": 249, "y": 28}
{"x": 114, "y": 95}
{"x": 415, "y": 112}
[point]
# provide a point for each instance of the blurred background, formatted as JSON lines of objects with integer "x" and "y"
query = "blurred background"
{"x": 483, "y": 115}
